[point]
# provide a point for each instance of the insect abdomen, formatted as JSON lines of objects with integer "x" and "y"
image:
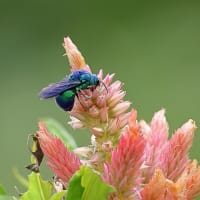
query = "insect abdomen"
{"x": 66, "y": 100}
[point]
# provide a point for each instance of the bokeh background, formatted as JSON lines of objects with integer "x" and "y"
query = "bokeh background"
{"x": 152, "y": 46}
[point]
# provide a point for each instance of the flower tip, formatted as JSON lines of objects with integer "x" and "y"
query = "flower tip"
{"x": 76, "y": 60}
{"x": 189, "y": 126}
{"x": 41, "y": 125}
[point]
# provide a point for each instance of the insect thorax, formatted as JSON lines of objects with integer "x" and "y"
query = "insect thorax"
{"x": 83, "y": 86}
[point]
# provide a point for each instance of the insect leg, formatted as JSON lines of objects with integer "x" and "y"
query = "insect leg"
{"x": 80, "y": 102}
{"x": 86, "y": 96}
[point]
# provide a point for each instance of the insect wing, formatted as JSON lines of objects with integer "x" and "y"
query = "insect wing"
{"x": 55, "y": 89}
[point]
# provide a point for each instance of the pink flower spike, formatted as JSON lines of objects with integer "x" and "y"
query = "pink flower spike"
{"x": 159, "y": 127}
{"x": 177, "y": 149}
{"x": 76, "y": 59}
{"x": 156, "y": 136}
{"x": 61, "y": 161}
{"x": 124, "y": 170}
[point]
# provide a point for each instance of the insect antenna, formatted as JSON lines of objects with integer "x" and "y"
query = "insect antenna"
{"x": 104, "y": 85}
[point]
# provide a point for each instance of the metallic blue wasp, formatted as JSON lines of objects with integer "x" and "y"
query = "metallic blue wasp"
{"x": 66, "y": 90}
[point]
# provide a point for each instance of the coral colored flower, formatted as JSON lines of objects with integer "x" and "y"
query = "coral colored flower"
{"x": 124, "y": 170}
{"x": 159, "y": 188}
{"x": 61, "y": 161}
{"x": 76, "y": 60}
{"x": 189, "y": 181}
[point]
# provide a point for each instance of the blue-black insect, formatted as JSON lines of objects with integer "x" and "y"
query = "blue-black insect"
{"x": 66, "y": 90}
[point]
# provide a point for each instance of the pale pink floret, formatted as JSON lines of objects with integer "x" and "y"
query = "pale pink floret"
{"x": 61, "y": 161}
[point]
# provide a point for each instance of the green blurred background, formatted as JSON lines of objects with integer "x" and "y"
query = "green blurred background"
{"x": 152, "y": 46}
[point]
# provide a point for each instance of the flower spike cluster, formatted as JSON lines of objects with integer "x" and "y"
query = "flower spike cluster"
{"x": 138, "y": 159}
{"x": 103, "y": 111}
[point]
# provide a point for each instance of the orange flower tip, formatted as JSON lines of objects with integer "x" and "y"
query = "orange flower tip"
{"x": 121, "y": 108}
{"x": 76, "y": 60}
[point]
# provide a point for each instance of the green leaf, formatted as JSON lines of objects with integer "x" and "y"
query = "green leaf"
{"x": 38, "y": 189}
{"x": 87, "y": 185}
{"x": 3, "y": 195}
{"x": 75, "y": 189}
{"x": 59, "y": 131}
{"x": 58, "y": 195}
{"x": 2, "y": 191}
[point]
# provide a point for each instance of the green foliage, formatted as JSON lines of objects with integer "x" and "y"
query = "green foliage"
{"x": 87, "y": 185}
{"x": 59, "y": 131}
{"x": 58, "y": 195}
{"x": 2, "y": 191}
{"x": 3, "y": 195}
{"x": 40, "y": 189}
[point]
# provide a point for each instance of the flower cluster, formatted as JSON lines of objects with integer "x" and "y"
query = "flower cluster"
{"x": 134, "y": 157}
